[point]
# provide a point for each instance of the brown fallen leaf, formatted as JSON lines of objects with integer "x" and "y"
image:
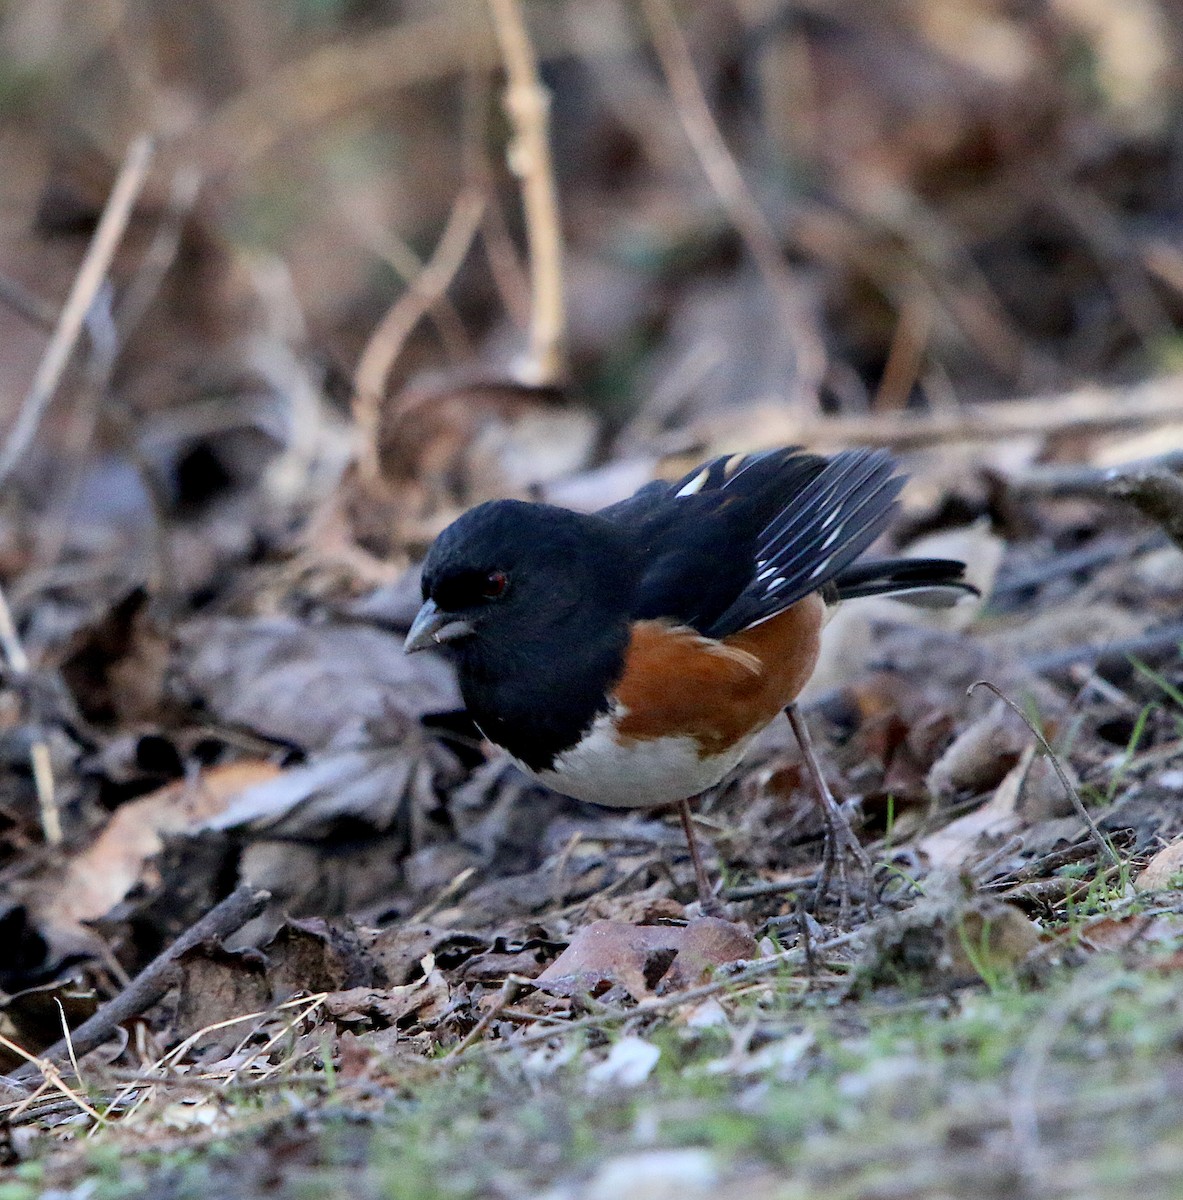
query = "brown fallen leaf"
{"x": 640, "y": 957}
{"x": 93, "y": 882}
{"x": 949, "y": 848}
{"x": 1165, "y": 866}
{"x": 425, "y": 998}
{"x": 981, "y": 754}
{"x": 319, "y": 687}
{"x": 218, "y": 985}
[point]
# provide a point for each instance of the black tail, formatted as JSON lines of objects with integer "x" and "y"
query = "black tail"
{"x": 929, "y": 582}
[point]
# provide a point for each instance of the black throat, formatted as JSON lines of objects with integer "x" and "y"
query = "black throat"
{"x": 537, "y": 696}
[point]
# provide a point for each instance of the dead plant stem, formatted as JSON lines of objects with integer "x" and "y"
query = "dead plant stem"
{"x": 729, "y": 185}
{"x": 528, "y": 104}
{"x": 91, "y": 273}
{"x": 1103, "y": 847}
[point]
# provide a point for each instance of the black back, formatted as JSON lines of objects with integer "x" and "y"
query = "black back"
{"x": 742, "y": 538}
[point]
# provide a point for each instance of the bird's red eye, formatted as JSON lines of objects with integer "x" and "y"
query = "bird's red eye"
{"x": 494, "y": 585}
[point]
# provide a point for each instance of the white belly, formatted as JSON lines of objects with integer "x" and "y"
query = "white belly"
{"x": 635, "y": 774}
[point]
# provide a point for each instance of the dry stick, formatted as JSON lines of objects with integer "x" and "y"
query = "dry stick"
{"x": 39, "y": 756}
{"x": 89, "y": 279}
{"x": 728, "y": 182}
{"x": 509, "y": 989}
{"x": 157, "y": 977}
{"x": 407, "y": 265}
{"x": 161, "y": 253}
{"x": 1103, "y": 847}
{"x": 1151, "y": 485}
{"x": 905, "y": 357}
{"x": 1088, "y": 410}
{"x": 386, "y": 342}
{"x": 52, "y": 1076}
{"x": 528, "y": 104}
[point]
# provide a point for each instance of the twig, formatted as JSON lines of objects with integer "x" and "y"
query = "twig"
{"x": 728, "y": 182}
{"x": 1103, "y": 847}
{"x": 52, "y": 1076}
{"x": 39, "y": 756}
{"x": 1088, "y": 410}
{"x": 157, "y": 977}
{"x": 905, "y": 356}
{"x": 386, "y": 342}
{"x": 509, "y": 990}
{"x": 87, "y": 282}
{"x": 772, "y": 887}
{"x": 161, "y": 252}
{"x": 528, "y": 104}
{"x": 1165, "y": 639}
{"x": 442, "y": 896}
{"x": 332, "y": 80}
{"x": 407, "y": 265}
{"x": 182, "y": 1048}
{"x": 1151, "y": 485}
{"x": 18, "y": 660}
{"x": 313, "y": 1003}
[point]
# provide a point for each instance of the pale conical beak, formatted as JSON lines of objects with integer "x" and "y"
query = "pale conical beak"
{"x": 432, "y": 627}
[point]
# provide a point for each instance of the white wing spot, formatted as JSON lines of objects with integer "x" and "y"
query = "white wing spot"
{"x": 775, "y": 583}
{"x": 766, "y": 572}
{"x": 819, "y": 569}
{"x": 695, "y": 485}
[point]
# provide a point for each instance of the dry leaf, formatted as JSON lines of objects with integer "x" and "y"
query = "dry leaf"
{"x": 957, "y": 842}
{"x": 97, "y": 879}
{"x": 1164, "y": 867}
{"x": 639, "y": 957}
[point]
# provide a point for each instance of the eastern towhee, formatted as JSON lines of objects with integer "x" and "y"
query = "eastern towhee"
{"x": 629, "y": 657}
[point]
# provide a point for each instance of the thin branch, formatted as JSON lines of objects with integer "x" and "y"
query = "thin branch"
{"x": 528, "y": 104}
{"x": 734, "y": 194}
{"x": 336, "y": 79}
{"x": 747, "y": 973}
{"x": 1088, "y": 410}
{"x": 1155, "y": 493}
{"x": 386, "y": 342}
{"x": 1103, "y": 847}
{"x": 52, "y": 1076}
{"x": 161, "y": 252}
{"x": 39, "y": 756}
{"x": 89, "y": 279}
{"x": 156, "y": 978}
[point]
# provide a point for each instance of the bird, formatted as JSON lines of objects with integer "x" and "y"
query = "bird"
{"x": 630, "y": 656}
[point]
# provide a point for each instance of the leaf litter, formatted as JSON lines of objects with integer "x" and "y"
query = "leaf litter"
{"x": 212, "y": 592}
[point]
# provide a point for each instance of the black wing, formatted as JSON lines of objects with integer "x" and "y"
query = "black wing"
{"x": 697, "y": 538}
{"x": 818, "y": 532}
{"x": 742, "y": 537}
